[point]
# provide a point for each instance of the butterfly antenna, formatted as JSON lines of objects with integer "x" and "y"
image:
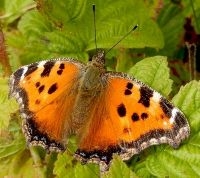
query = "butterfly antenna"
{"x": 133, "y": 29}
{"x": 95, "y": 30}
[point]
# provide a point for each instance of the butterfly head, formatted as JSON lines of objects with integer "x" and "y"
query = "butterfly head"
{"x": 99, "y": 58}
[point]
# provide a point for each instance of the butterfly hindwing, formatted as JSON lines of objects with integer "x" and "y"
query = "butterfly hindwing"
{"x": 45, "y": 92}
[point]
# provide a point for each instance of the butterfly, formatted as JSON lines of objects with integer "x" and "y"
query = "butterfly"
{"x": 110, "y": 112}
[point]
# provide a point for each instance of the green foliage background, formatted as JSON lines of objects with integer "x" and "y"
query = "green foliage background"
{"x": 44, "y": 29}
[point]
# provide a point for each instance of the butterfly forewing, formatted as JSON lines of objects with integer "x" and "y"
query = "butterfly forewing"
{"x": 129, "y": 117}
{"x": 46, "y": 92}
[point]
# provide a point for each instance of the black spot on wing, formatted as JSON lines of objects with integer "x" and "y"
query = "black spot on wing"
{"x": 162, "y": 116}
{"x": 59, "y": 72}
{"x": 135, "y": 117}
{"x": 28, "y": 77}
{"x": 47, "y": 68}
{"x": 19, "y": 73}
{"x": 37, "y": 84}
{"x": 31, "y": 69}
{"x": 37, "y": 101}
{"x": 127, "y": 130}
{"x": 62, "y": 66}
{"x": 166, "y": 107}
{"x": 180, "y": 120}
{"x": 41, "y": 88}
{"x": 144, "y": 116}
{"x": 129, "y": 85}
{"x": 121, "y": 110}
{"x": 145, "y": 95}
{"x": 17, "y": 76}
{"x": 52, "y": 88}
{"x": 127, "y": 92}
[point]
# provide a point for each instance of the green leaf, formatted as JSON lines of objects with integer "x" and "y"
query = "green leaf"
{"x": 66, "y": 167}
{"x": 22, "y": 166}
{"x": 6, "y": 106}
{"x": 185, "y": 160}
{"x": 33, "y": 25}
{"x": 12, "y": 144}
{"x": 154, "y": 72}
{"x": 141, "y": 170}
{"x": 173, "y": 28}
{"x": 74, "y": 9}
{"x": 188, "y": 100}
{"x": 10, "y": 149}
{"x": 175, "y": 163}
{"x": 61, "y": 165}
{"x": 11, "y": 140}
{"x": 119, "y": 169}
{"x": 79, "y": 21}
{"x": 66, "y": 28}
{"x": 2, "y": 5}
{"x": 15, "y": 8}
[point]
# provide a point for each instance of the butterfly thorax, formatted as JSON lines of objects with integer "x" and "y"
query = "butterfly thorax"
{"x": 91, "y": 87}
{"x": 95, "y": 69}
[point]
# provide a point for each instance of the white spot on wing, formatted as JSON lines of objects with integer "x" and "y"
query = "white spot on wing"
{"x": 41, "y": 64}
{"x": 20, "y": 101}
{"x": 12, "y": 81}
{"x": 163, "y": 139}
{"x": 156, "y": 96}
{"x": 144, "y": 145}
{"x": 25, "y": 68}
{"x": 174, "y": 111}
{"x": 58, "y": 62}
{"x": 16, "y": 95}
{"x": 153, "y": 141}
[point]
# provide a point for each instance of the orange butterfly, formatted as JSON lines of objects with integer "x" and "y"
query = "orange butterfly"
{"x": 110, "y": 112}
